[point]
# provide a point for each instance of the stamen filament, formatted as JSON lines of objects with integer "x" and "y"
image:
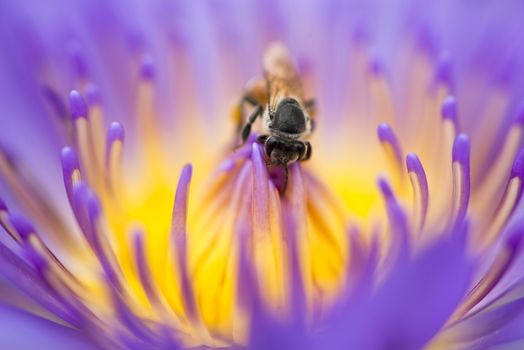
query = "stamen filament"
{"x": 419, "y": 185}
{"x": 509, "y": 201}
{"x": 393, "y": 151}
{"x": 461, "y": 180}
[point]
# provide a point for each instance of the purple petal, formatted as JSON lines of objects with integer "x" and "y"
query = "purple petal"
{"x": 412, "y": 304}
{"x": 496, "y": 325}
{"x": 21, "y": 330}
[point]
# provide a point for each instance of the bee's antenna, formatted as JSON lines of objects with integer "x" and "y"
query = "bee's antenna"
{"x": 286, "y": 175}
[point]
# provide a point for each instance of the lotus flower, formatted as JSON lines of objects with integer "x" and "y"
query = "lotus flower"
{"x": 403, "y": 231}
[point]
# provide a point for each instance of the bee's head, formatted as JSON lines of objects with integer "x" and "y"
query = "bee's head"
{"x": 280, "y": 152}
{"x": 288, "y": 117}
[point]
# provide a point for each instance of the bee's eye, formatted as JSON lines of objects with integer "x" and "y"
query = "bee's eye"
{"x": 271, "y": 116}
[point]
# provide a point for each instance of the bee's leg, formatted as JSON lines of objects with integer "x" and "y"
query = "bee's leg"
{"x": 246, "y": 99}
{"x": 246, "y": 129}
{"x": 262, "y": 139}
{"x": 249, "y": 99}
{"x": 307, "y": 152}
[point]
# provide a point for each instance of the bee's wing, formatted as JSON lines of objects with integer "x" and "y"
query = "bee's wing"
{"x": 311, "y": 109}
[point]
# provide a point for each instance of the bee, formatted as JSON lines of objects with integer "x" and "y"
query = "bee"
{"x": 287, "y": 117}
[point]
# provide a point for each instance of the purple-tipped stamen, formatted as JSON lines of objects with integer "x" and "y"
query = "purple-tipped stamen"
{"x": 77, "y": 60}
{"x": 23, "y": 276}
{"x": 426, "y": 41}
{"x": 260, "y": 191}
{"x": 449, "y": 109}
{"x": 22, "y": 226}
{"x": 509, "y": 201}
{"x": 519, "y": 118}
{"x": 69, "y": 160}
{"x": 70, "y": 164}
{"x": 444, "y": 74}
{"x": 26, "y": 231}
{"x": 385, "y": 189}
{"x": 498, "y": 268}
{"x": 414, "y": 166}
{"x": 115, "y": 133}
{"x": 101, "y": 245}
{"x": 78, "y": 105}
{"x": 147, "y": 68}
{"x": 400, "y": 249}
{"x": 144, "y": 271}
{"x": 376, "y": 67}
{"x": 179, "y": 241}
{"x": 356, "y": 265}
{"x": 462, "y": 183}
{"x": 87, "y": 210}
{"x": 247, "y": 290}
{"x": 6, "y": 225}
{"x": 517, "y": 169}
{"x": 79, "y": 198}
{"x": 298, "y": 298}
{"x": 387, "y": 136}
{"x": 461, "y": 149}
{"x": 93, "y": 96}
{"x": 115, "y": 137}
{"x": 132, "y": 322}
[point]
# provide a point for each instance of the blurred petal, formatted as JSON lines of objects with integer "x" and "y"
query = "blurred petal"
{"x": 413, "y": 303}
{"x": 21, "y": 330}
